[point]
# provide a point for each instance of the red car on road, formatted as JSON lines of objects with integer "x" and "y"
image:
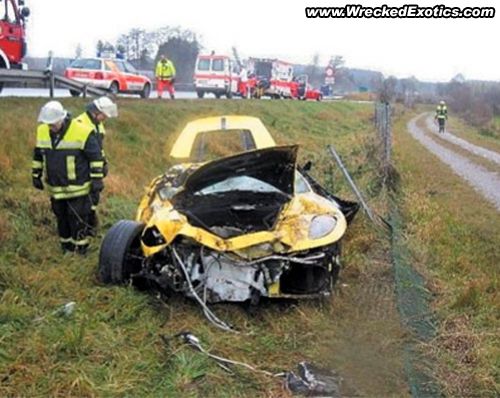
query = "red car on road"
{"x": 115, "y": 75}
{"x": 301, "y": 89}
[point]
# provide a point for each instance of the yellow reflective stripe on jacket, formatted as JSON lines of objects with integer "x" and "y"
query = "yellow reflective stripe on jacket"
{"x": 97, "y": 164}
{"x": 36, "y": 164}
{"x": 44, "y": 143}
{"x": 71, "y": 167}
{"x": 70, "y": 191}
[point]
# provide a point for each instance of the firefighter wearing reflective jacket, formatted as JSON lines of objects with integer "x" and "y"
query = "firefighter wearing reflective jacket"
{"x": 441, "y": 115}
{"x": 97, "y": 112}
{"x": 68, "y": 158}
{"x": 165, "y": 76}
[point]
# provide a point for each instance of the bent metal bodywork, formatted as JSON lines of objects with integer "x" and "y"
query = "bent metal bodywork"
{"x": 237, "y": 228}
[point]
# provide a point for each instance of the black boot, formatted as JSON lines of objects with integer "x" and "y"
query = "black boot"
{"x": 67, "y": 247}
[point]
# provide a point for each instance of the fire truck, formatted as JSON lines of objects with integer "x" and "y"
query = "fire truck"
{"x": 274, "y": 78}
{"x": 13, "y": 16}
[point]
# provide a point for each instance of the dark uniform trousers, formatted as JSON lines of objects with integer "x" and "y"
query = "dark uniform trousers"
{"x": 72, "y": 215}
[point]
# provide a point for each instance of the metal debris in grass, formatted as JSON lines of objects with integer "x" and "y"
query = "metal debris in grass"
{"x": 65, "y": 310}
{"x": 309, "y": 380}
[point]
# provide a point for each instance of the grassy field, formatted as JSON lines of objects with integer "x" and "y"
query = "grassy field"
{"x": 454, "y": 237}
{"x": 112, "y": 344}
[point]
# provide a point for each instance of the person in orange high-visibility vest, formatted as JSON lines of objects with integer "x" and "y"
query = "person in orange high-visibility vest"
{"x": 165, "y": 76}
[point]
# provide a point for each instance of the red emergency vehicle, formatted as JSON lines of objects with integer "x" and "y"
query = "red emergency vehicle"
{"x": 13, "y": 16}
{"x": 274, "y": 78}
{"x": 301, "y": 89}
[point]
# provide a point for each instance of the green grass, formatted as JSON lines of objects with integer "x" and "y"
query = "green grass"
{"x": 454, "y": 237}
{"x": 111, "y": 345}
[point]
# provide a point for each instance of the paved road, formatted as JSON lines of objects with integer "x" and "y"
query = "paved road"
{"x": 485, "y": 182}
{"x": 476, "y": 150}
{"x": 63, "y": 93}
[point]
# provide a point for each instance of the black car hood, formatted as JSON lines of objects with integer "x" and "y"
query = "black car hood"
{"x": 274, "y": 165}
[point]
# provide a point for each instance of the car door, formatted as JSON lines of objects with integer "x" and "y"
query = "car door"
{"x": 134, "y": 80}
{"x": 122, "y": 75}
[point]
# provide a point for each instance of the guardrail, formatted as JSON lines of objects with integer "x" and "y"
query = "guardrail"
{"x": 50, "y": 78}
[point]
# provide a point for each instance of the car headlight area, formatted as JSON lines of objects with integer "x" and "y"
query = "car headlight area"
{"x": 321, "y": 226}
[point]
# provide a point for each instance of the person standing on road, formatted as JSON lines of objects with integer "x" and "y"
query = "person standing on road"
{"x": 68, "y": 157}
{"x": 441, "y": 115}
{"x": 165, "y": 76}
{"x": 97, "y": 112}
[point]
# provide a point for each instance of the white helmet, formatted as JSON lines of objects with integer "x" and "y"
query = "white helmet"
{"x": 52, "y": 112}
{"x": 106, "y": 106}
{"x": 441, "y": 102}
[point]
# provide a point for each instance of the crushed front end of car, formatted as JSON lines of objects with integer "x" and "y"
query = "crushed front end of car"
{"x": 235, "y": 229}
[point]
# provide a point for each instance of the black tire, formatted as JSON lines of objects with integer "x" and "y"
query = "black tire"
{"x": 146, "y": 91}
{"x": 114, "y": 88}
{"x": 217, "y": 95}
{"x": 320, "y": 97}
{"x": 229, "y": 95}
{"x": 1, "y": 87}
{"x": 200, "y": 94}
{"x": 74, "y": 93}
{"x": 120, "y": 254}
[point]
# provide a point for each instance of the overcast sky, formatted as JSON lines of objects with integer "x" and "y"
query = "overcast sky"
{"x": 430, "y": 49}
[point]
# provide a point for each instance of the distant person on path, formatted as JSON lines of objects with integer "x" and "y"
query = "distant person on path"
{"x": 97, "y": 112}
{"x": 68, "y": 159}
{"x": 441, "y": 115}
{"x": 165, "y": 76}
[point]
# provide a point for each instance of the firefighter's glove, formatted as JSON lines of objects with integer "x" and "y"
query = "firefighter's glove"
{"x": 97, "y": 185}
{"x": 37, "y": 183}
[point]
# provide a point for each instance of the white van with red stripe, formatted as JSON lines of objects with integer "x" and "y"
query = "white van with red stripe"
{"x": 274, "y": 77}
{"x": 215, "y": 74}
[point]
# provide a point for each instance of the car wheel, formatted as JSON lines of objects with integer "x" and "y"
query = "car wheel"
{"x": 74, "y": 93}
{"x": 217, "y": 95}
{"x": 120, "y": 254}
{"x": 229, "y": 95}
{"x": 146, "y": 91}
{"x": 320, "y": 97}
{"x": 114, "y": 88}
{"x": 200, "y": 94}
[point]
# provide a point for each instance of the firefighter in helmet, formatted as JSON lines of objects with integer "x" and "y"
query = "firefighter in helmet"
{"x": 165, "y": 76}
{"x": 68, "y": 162}
{"x": 96, "y": 113}
{"x": 441, "y": 115}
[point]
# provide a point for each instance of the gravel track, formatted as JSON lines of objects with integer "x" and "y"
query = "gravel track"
{"x": 476, "y": 150}
{"x": 485, "y": 182}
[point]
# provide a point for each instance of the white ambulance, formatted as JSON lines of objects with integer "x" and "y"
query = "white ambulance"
{"x": 216, "y": 74}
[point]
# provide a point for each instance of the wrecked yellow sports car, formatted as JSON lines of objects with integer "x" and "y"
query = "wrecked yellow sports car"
{"x": 237, "y": 228}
